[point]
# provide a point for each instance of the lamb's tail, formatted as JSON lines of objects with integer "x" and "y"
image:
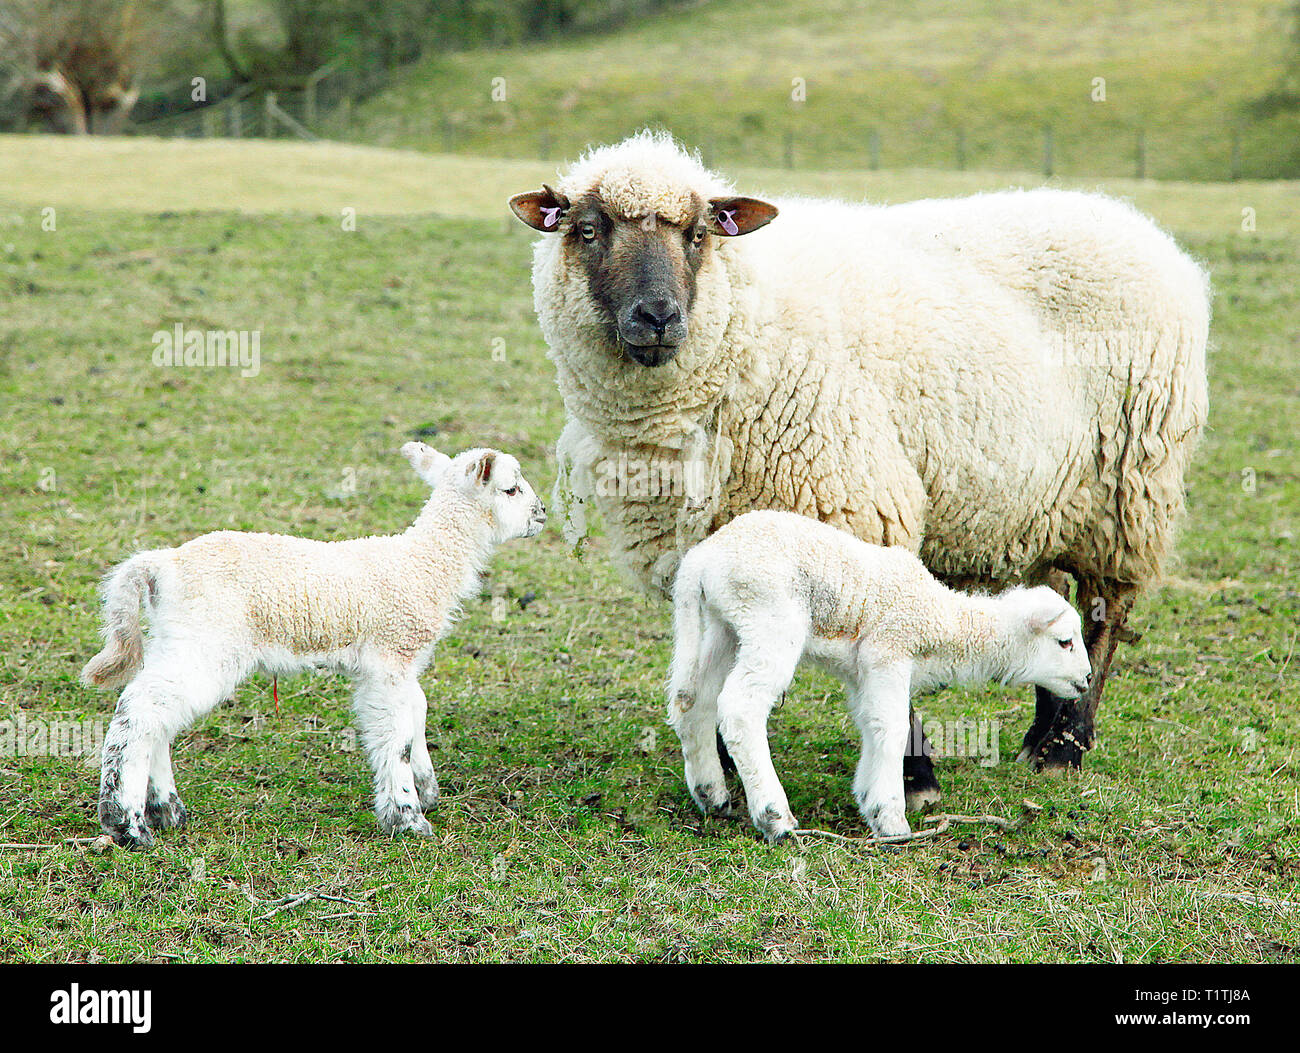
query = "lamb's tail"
{"x": 124, "y": 590}
{"x": 688, "y": 635}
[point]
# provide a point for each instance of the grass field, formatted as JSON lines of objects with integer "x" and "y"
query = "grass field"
{"x": 565, "y": 832}
{"x": 739, "y": 77}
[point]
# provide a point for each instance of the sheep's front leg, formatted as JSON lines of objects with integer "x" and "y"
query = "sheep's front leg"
{"x": 387, "y": 722}
{"x": 880, "y": 705}
{"x": 761, "y": 673}
{"x": 426, "y": 782}
{"x": 124, "y": 775}
{"x": 693, "y": 714}
{"x": 163, "y": 807}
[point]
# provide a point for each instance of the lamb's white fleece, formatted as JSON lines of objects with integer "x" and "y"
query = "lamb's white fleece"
{"x": 227, "y": 603}
{"x": 773, "y": 588}
{"x": 1003, "y": 383}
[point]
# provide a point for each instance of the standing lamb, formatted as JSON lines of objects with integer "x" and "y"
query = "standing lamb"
{"x": 772, "y": 588}
{"x": 1010, "y": 385}
{"x": 228, "y": 603}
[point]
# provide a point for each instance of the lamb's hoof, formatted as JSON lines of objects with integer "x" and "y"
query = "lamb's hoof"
{"x": 775, "y": 825}
{"x": 713, "y": 800}
{"x": 166, "y": 815}
{"x": 428, "y": 793}
{"x": 406, "y": 821}
{"x": 127, "y": 829}
{"x": 885, "y": 820}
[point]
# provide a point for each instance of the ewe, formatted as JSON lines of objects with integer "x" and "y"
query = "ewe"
{"x": 772, "y": 588}
{"x": 227, "y": 603}
{"x": 1010, "y": 385}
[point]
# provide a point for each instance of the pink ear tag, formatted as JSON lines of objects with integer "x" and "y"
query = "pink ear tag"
{"x": 551, "y": 216}
{"x": 726, "y": 222}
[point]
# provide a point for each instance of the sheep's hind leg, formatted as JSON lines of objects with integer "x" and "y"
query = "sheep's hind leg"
{"x": 693, "y": 714}
{"x": 387, "y": 723}
{"x": 920, "y": 784}
{"x": 763, "y": 670}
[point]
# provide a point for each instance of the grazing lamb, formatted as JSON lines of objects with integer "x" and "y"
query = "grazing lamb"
{"x": 227, "y": 603}
{"x": 772, "y": 588}
{"x": 1010, "y": 385}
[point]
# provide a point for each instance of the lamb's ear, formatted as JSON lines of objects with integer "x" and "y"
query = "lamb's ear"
{"x": 732, "y": 216}
{"x": 428, "y": 463}
{"x": 540, "y": 209}
{"x": 1046, "y": 613}
{"x": 480, "y": 471}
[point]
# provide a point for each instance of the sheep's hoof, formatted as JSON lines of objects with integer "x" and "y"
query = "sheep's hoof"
{"x": 1059, "y": 749}
{"x": 166, "y": 815}
{"x": 920, "y": 786}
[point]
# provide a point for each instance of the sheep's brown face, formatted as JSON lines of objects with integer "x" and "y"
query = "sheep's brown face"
{"x": 640, "y": 271}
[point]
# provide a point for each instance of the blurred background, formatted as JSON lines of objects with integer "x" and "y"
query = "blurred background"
{"x": 1167, "y": 89}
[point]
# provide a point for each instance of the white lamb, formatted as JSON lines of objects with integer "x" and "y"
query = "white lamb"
{"x": 772, "y": 588}
{"x": 228, "y": 603}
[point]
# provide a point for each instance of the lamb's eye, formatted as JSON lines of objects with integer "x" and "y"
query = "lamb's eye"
{"x": 697, "y": 235}
{"x": 511, "y": 492}
{"x": 588, "y": 231}
{"x": 1066, "y": 645}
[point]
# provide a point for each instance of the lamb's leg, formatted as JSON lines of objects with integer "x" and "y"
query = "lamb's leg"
{"x": 880, "y": 710}
{"x": 163, "y": 807}
{"x": 1063, "y": 730}
{"x": 387, "y": 724}
{"x": 763, "y": 670}
{"x": 693, "y": 714}
{"x": 136, "y": 788}
{"x": 426, "y": 782}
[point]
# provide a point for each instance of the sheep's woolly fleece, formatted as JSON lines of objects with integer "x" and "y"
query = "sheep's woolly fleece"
{"x": 1002, "y": 383}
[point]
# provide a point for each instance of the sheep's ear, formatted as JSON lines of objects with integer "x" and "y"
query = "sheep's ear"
{"x": 732, "y": 216}
{"x": 540, "y": 209}
{"x": 428, "y": 463}
{"x": 480, "y": 471}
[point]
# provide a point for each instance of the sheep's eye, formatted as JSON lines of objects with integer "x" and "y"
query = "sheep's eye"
{"x": 511, "y": 492}
{"x": 697, "y": 235}
{"x": 588, "y": 231}
{"x": 1066, "y": 645}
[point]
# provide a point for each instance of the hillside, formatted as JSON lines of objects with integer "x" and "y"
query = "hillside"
{"x": 944, "y": 84}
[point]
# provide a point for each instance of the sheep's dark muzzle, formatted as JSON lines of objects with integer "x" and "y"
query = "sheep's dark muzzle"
{"x": 650, "y": 354}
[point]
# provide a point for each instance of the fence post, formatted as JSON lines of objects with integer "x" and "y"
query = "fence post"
{"x": 1142, "y": 153}
{"x": 208, "y": 120}
{"x": 237, "y": 119}
{"x": 1049, "y": 151}
{"x": 1234, "y": 160}
{"x": 268, "y": 118}
{"x": 961, "y": 149}
{"x": 789, "y": 149}
{"x": 544, "y": 145}
{"x": 873, "y": 150}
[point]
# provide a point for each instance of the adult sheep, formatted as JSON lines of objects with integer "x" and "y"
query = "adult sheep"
{"x": 1010, "y": 385}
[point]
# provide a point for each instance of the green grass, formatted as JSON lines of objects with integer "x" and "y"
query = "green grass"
{"x": 565, "y": 832}
{"x": 722, "y": 74}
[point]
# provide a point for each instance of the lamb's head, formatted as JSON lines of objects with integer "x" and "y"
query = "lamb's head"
{"x": 635, "y": 225}
{"x": 1047, "y": 635}
{"x": 490, "y": 479}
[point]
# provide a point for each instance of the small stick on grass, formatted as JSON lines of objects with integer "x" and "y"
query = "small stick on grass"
{"x": 895, "y": 839}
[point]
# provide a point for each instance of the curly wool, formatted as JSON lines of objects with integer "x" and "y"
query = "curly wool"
{"x": 1002, "y": 383}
